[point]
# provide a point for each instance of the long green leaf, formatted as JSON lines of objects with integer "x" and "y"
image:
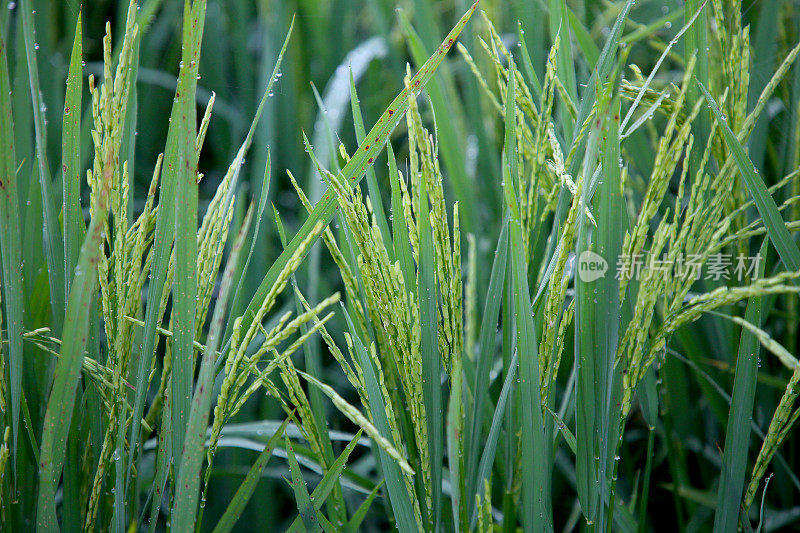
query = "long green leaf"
{"x": 10, "y": 243}
{"x": 184, "y": 289}
{"x": 767, "y": 208}
{"x": 455, "y": 446}
{"x": 737, "y": 434}
{"x": 54, "y": 251}
{"x": 536, "y": 507}
{"x": 68, "y": 367}
{"x": 565, "y": 66}
{"x": 74, "y": 226}
{"x": 310, "y": 516}
{"x": 248, "y": 486}
{"x": 330, "y": 480}
{"x": 74, "y": 230}
{"x": 184, "y": 509}
{"x": 490, "y": 448}
{"x": 398, "y": 493}
{"x": 354, "y": 524}
{"x": 177, "y": 159}
{"x": 428, "y": 292}
{"x": 486, "y": 345}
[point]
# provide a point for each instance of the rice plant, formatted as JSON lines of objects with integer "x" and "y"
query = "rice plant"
{"x": 565, "y": 296}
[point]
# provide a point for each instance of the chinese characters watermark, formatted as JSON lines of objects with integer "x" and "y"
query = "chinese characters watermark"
{"x": 716, "y": 267}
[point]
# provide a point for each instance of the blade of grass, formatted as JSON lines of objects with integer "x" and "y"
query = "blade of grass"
{"x": 696, "y": 42}
{"x": 767, "y": 208}
{"x": 451, "y": 144}
{"x": 398, "y": 494}
{"x": 486, "y": 351}
{"x": 455, "y": 446}
{"x": 372, "y": 182}
{"x": 536, "y": 506}
{"x": 354, "y": 170}
{"x": 765, "y": 46}
{"x": 68, "y": 367}
{"x": 262, "y": 203}
{"x": 74, "y": 227}
{"x": 163, "y": 238}
{"x": 10, "y": 242}
{"x": 428, "y": 292}
{"x": 54, "y": 252}
{"x": 267, "y": 177}
{"x": 737, "y": 435}
{"x": 311, "y": 519}
{"x": 527, "y": 63}
{"x": 353, "y": 525}
{"x": 329, "y": 481}
{"x": 565, "y": 66}
{"x": 176, "y": 162}
{"x": 184, "y": 288}
{"x": 606, "y": 301}
{"x": 239, "y": 501}
{"x": 589, "y": 50}
{"x": 184, "y": 509}
{"x": 490, "y": 448}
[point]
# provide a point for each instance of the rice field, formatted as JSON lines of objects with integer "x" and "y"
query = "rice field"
{"x": 364, "y": 265}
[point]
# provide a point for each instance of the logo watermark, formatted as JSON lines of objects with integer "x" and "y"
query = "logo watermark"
{"x": 591, "y": 266}
{"x": 716, "y": 267}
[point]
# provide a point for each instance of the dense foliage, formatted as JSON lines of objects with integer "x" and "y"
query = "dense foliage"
{"x": 554, "y": 286}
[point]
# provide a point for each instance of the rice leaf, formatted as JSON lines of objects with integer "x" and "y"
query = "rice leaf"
{"x": 74, "y": 226}
{"x": 696, "y": 43}
{"x": 428, "y": 292}
{"x": 247, "y": 488}
{"x": 353, "y": 525}
{"x": 54, "y": 251}
{"x": 737, "y": 435}
{"x": 179, "y": 156}
{"x": 184, "y": 509}
{"x": 455, "y": 446}
{"x": 486, "y": 344}
{"x": 589, "y": 50}
{"x": 767, "y": 208}
{"x": 10, "y": 243}
{"x": 398, "y": 493}
{"x": 184, "y": 289}
{"x": 68, "y": 367}
{"x": 565, "y": 66}
{"x": 310, "y": 516}
{"x": 330, "y": 480}
{"x": 490, "y": 448}
{"x": 536, "y": 511}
